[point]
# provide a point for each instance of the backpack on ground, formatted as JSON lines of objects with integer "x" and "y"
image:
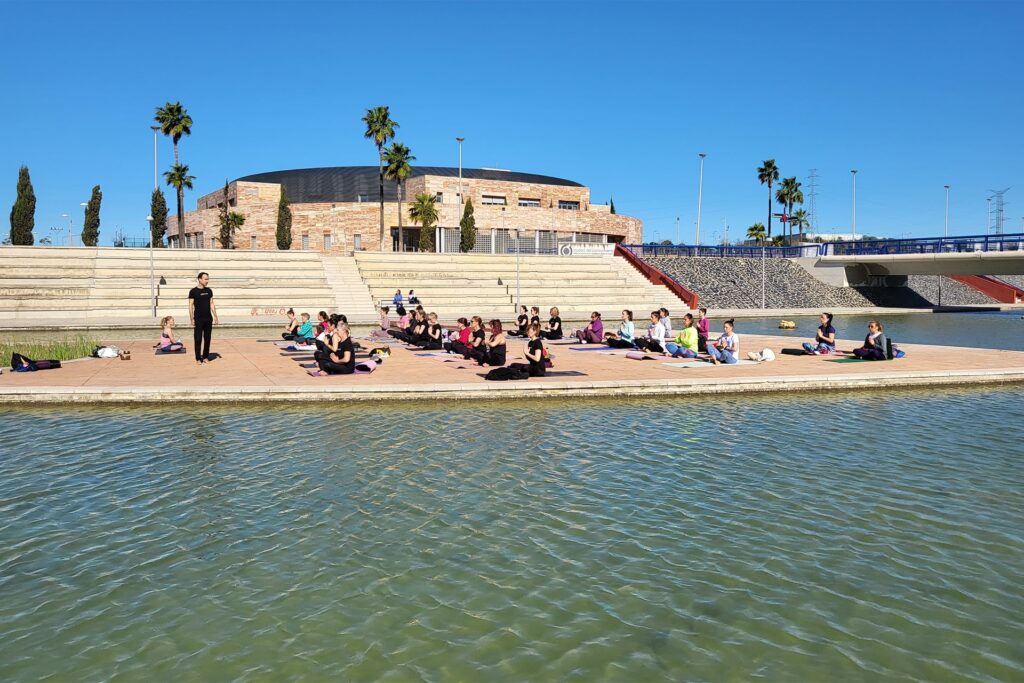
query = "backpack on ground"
{"x": 503, "y": 374}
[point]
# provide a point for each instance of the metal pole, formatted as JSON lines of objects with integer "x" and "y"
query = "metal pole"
{"x": 762, "y": 274}
{"x": 152, "y": 278}
{"x": 945, "y": 223}
{"x": 460, "y": 176}
{"x": 854, "y": 173}
{"x": 679, "y": 236}
{"x": 700, "y": 189}
{"x": 156, "y": 184}
{"x": 988, "y": 216}
{"x": 518, "y": 232}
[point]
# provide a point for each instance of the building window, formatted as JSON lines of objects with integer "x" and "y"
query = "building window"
{"x": 493, "y": 200}
{"x": 566, "y": 204}
{"x": 363, "y": 198}
{"x": 252, "y": 241}
{"x": 305, "y": 241}
{"x": 188, "y": 241}
{"x": 523, "y": 201}
{"x": 357, "y": 242}
{"x": 439, "y": 197}
{"x": 327, "y": 241}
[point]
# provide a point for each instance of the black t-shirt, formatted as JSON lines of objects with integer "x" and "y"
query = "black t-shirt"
{"x": 477, "y": 334}
{"x": 435, "y": 332}
{"x": 826, "y": 330}
{"x": 202, "y": 297}
{"x": 535, "y": 320}
{"x": 522, "y": 320}
{"x": 342, "y": 348}
{"x": 536, "y": 366}
{"x": 555, "y": 324}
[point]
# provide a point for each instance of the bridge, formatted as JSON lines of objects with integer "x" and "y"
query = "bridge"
{"x": 968, "y": 255}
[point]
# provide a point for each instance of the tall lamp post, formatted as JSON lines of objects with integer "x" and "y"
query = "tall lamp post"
{"x": 70, "y": 223}
{"x": 945, "y": 222}
{"x": 460, "y": 140}
{"x": 700, "y": 190}
{"x": 517, "y": 232}
{"x": 152, "y": 279}
{"x": 853, "y": 172}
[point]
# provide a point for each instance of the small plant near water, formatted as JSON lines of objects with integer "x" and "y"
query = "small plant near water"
{"x": 40, "y": 347}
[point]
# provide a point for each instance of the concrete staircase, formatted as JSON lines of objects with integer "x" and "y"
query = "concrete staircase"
{"x": 351, "y": 295}
{"x": 455, "y": 285}
{"x": 69, "y": 287}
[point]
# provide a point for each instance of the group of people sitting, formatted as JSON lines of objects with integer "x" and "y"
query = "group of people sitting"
{"x": 876, "y": 345}
{"x": 485, "y": 344}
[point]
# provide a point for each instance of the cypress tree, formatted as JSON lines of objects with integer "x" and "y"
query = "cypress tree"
{"x": 91, "y": 226}
{"x": 467, "y": 237}
{"x": 158, "y": 210}
{"x": 612, "y": 202}
{"x": 284, "y": 222}
{"x": 225, "y": 221}
{"x": 23, "y": 213}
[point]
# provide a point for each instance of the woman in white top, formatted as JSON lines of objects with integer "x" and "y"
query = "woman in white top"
{"x": 655, "y": 339}
{"x": 727, "y": 348}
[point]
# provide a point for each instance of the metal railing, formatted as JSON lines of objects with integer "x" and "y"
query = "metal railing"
{"x": 652, "y": 250}
{"x": 925, "y": 245}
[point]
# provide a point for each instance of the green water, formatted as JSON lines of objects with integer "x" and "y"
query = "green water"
{"x": 854, "y": 537}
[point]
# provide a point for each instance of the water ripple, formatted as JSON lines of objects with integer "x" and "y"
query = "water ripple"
{"x": 848, "y": 537}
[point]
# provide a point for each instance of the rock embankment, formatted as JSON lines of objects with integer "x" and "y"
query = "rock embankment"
{"x": 736, "y": 283}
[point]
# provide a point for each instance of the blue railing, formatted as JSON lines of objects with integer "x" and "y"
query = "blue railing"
{"x": 926, "y": 245}
{"x": 651, "y": 250}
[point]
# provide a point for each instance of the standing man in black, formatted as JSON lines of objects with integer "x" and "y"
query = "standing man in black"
{"x": 203, "y": 314}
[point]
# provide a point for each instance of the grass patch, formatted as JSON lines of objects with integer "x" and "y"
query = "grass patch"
{"x": 43, "y": 347}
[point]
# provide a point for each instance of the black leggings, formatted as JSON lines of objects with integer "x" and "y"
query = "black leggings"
{"x": 645, "y": 344}
{"x": 332, "y": 368}
{"x": 18, "y": 360}
{"x": 548, "y": 334}
{"x": 527, "y": 368}
{"x": 201, "y": 335}
{"x": 869, "y": 353}
{"x": 619, "y": 343}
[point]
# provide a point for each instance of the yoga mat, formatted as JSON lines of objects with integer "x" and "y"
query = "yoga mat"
{"x": 845, "y": 360}
{"x": 706, "y": 364}
{"x": 435, "y": 354}
{"x": 550, "y": 373}
{"x": 594, "y": 347}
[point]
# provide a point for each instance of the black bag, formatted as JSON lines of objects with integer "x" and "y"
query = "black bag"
{"x": 793, "y": 352}
{"x": 506, "y": 373}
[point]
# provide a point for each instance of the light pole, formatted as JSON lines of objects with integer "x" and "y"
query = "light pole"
{"x": 988, "y": 215}
{"x": 854, "y": 228}
{"x": 945, "y": 222}
{"x": 517, "y": 232}
{"x": 57, "y": 231}
{"x": 459, "y": 140}
{"x": 70, "y": 222}
{"x": 156, "y": 184}
{"x": 679, "y": 236}
{"x": 700, "y": 190}
{"x": 152, "y": 279}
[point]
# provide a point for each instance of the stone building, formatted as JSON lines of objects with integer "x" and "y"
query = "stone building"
{"x": 337, "y": 210}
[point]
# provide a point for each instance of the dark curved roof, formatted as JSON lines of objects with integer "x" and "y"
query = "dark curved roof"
{"x": 346, "y": 183}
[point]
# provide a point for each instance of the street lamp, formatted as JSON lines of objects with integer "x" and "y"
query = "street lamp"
{"x": 460, "y": 140}
{"x": 700, "y": 189}
{"x": 156, "y": 185}
{"x": 70, "y": 222}
{"x": 945, "y": 223}
{"x": 152, "y": 282}
{"x": 517, "y": 233}
{"x": 854, "y": 173}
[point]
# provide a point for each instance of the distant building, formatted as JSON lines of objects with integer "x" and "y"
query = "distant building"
{"x": 337, "y": 210}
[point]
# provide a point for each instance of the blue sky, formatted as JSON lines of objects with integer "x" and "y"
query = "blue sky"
{"x": 620, "y": 96}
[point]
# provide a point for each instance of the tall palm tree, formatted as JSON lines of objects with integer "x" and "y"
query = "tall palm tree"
{"x": 398, "y": 169}
{"x": 782, "y": 197}
{"x": 756, "y": 232}
{"x": 424, "y": 212}
{"x": 801, "y": 219}
{"x": 179, "y": 179}
{"x": 380, "y": 128}
{"x": 175, "y": 122}
{"x": 768, "y": 173}
{"x": 789, "y": 194}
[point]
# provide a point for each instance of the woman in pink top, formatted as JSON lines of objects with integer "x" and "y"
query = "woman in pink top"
{"x": 702, "y": 330}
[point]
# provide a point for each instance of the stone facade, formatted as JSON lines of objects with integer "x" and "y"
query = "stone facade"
{"x": 341, "y": 227}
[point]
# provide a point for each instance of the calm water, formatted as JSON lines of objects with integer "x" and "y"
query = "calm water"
{"x": 860, "y": 537}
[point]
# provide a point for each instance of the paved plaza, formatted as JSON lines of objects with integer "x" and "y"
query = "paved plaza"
{"x": 259, "y": 370}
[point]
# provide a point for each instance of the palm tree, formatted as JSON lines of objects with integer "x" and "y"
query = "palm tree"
{"x": 788, "y": 195}
{"x": 175, "y": 122}
{"x": 768, "y": 173}
{"x": 801, "y": 219}
{"x": 398, "y": 169}
{"x": 179, "y": 179}
{"x": 424, "y": 212}
{"x": 380, "y": 128}
{"x": 756, "y": 232}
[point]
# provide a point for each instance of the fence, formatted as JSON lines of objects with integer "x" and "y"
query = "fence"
{"x": 926, "y": 245}
{"x": 651, "y": 250}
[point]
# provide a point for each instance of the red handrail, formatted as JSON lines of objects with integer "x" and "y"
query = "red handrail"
{"x": 656, "y": 277}
{"x": 1003, "y": 292}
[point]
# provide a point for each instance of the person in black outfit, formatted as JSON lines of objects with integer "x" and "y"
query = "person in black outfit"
{"x": 554, "y": 330}
{"x": 342, "y": 361}
{"x": 493, "y": 350}
{"x": 476, "y": 338}
{"x": 535, "y": 315}
{"x": 202, "y": 313}
{"x": 522, "y": 320}
{"x": 434, "y": 339}
{"x": 534, "y": 354}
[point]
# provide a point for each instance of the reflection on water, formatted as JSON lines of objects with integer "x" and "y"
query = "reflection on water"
{"x": 853, "y": 537}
